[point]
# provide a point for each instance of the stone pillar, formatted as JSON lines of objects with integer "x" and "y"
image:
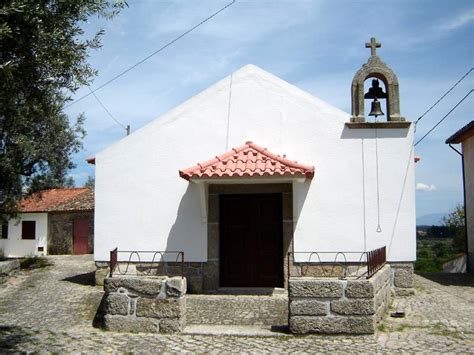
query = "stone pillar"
{"x": 403, "y": 275}
{"x": 145, "y": 304}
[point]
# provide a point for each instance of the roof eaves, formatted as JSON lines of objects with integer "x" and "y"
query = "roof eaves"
{"x": 190, "y": 173}
{"x": 461, "y": 134}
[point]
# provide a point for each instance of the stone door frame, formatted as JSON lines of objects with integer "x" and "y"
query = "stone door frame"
{"x": 211, "y": 268}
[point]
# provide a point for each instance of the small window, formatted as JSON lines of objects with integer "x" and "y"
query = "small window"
{"x": 28, "y": 230}
{"x": 5, "y": 230}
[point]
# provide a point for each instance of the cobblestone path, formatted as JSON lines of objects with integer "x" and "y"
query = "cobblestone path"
{"x": 51, "y": 310}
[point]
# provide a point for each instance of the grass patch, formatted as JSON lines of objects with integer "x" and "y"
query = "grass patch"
{"x": 405, "y": 326}
{"x": 440, "y": 326}
{"x": 34, "y": 262}
{"x": 436, "y": 329}
{"x": 442, "y": 329}
{"x": 382, "y": 327}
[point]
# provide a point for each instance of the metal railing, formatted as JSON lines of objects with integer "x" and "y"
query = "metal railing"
{"x": 148, "y": 262}
{"x": 376, "y": 259}
{"x": 113, "y": 260}
{"x": 336, "y": 263}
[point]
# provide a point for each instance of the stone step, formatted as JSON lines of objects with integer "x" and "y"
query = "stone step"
{"x": 268, "y": 291}
{"x": 237, "y": 309}
{"x": 236, "y": 330}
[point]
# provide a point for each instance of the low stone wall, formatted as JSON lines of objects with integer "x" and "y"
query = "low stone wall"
{"x": 7, "y": 268}
{"x": 333, "y": 306}
{"x": 145, "y": 304}
{"x": 403, "y": 276}
{"x": 456, "y": 265}
{"x": 195, "y": 272}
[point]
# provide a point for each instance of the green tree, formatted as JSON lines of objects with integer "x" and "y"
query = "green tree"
{"x": 454, "y": 221}
{"x": 90, "y": 183}
{"x": 440, "y": 249}
{"x": 43, "y": 61}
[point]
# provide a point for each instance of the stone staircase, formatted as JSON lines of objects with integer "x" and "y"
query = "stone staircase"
{"x": 237, "y": 309}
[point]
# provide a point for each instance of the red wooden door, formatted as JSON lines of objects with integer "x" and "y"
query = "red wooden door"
{"x": 251, "y": 240}
{"x": 81, "y": 236}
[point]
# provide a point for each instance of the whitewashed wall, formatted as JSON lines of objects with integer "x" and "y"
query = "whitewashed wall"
{"x": 468, "y": 152}
{"x": 14, "y": 246}
{"x": 142, "y": 203}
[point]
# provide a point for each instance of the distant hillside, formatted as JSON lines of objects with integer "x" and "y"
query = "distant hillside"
{"x": 433, "y": 219}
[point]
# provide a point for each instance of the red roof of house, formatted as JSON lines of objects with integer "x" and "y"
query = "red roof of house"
{"x": 249, "y": 160}
{"x": 68, "y": 199}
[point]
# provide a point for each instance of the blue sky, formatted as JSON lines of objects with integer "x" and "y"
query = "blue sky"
{"x": 315, "y": 45}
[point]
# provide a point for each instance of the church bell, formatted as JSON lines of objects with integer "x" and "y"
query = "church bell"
{"x": 376, "y": 109}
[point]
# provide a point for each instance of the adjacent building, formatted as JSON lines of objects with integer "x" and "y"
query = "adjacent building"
{"x": 55, "y": 221}
{"x": 465, "y": 137}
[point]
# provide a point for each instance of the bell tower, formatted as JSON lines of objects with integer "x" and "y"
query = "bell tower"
{"x": 376, "y": 69}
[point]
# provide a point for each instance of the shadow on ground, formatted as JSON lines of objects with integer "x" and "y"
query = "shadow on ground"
{"x": 11, "y": 337}
{"x": 446, "y": 279}
{"x": 99, "y": 321}
{"x": 280, "y": 329}
{"x": 87, "y": 279}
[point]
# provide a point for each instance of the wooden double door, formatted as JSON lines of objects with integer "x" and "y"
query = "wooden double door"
{"x": 251, "y": 240}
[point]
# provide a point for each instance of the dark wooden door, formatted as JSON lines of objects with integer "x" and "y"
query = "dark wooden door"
{"x": 80, "y": 236}
{"x": 251, "y": 240}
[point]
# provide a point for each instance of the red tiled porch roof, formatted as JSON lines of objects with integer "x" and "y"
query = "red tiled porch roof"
{"x": 60, "y": 199}
{"x": 249, "y": 160}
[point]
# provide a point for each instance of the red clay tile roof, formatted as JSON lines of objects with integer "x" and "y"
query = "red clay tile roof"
{"x": 71, "y": 199}
{"x": 248, "y": 160}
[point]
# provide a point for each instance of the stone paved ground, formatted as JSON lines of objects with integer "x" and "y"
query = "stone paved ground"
{"x": 51, "y": 310}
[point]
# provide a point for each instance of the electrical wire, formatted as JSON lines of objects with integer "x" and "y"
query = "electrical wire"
{"x": 445, "y": 116}
{"x": 444, "y": 95}
{"x": 105, "y": 109}
{"x": 152, "y": 54}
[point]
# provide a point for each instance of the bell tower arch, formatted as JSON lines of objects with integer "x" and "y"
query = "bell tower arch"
{"x": 377, "y": 69}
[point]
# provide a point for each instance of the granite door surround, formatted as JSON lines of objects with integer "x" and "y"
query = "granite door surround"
{"x": 211, "y": 268}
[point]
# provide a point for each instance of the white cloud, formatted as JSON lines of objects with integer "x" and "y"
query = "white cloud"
{"x": 458, "y": 21}
{"x": 425, "y": 187}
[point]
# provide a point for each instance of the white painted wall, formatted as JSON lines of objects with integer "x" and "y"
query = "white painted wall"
{"x": 14, "y": 246}
{"x": 468, "y": 156}
{"x": 143, "y": 204}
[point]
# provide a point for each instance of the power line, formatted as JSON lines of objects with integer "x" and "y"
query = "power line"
{"x": 445, "y": 116}
{"x": 106, "y": 110}
{"x": 444, "y": 95}
{"x": 152, "y": 54}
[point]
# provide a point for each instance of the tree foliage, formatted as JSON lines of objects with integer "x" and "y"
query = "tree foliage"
{"x": 43, "y": 61}
{"x": 90, "y": 183}
{"x": 455, "y": 222}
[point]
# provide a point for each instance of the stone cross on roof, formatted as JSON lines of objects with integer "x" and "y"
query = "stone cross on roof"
{"x": 373, "y": 45}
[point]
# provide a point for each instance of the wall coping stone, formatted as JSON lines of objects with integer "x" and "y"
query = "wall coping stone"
{"x": 315, "y": 288}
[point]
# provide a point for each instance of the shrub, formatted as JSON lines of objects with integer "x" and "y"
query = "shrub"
{"x": 34, "y": 262}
